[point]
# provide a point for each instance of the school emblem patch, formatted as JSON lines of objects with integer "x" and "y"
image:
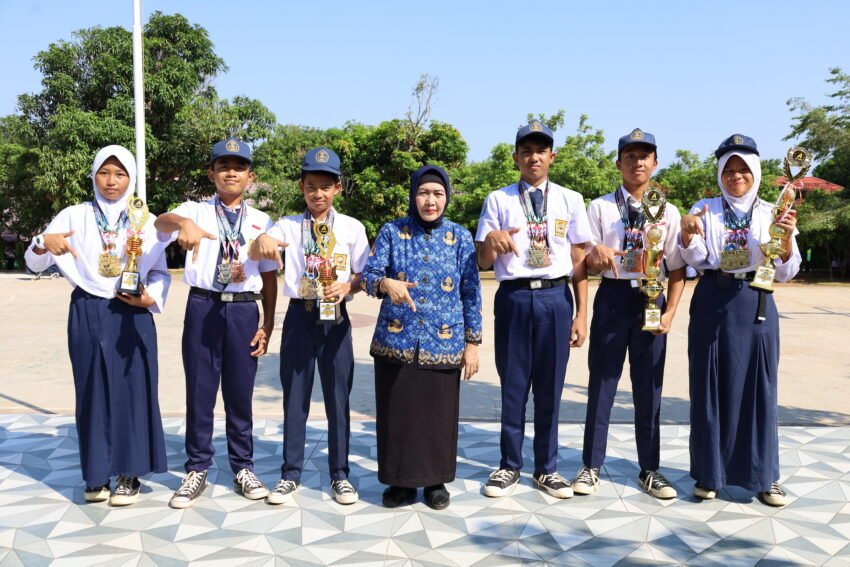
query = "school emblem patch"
{"x": 322, "y": 156}
{"x": 340, "y": 262}
{"x": 231, "y": 146}
{"x": 737, "y": 140}
{"x": 560, "y": 228}
{"x": 535, "y": 126}
{"x": 637, "y": 134}
{"x": 449, "y": 238}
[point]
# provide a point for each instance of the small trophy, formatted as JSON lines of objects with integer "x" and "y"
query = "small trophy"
{"x": 653, "y": 198}
{"x": 766, "y": 273}
{"x": 329, "y": 311}
{"x": 137, "y": 213}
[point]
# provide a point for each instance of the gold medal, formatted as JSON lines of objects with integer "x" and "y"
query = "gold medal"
{"x": 237, "y": 272}
{"x": 632, "y": 261}
{"x": 307, "y": 288}
{"x": 109, "y": 265}
{"x": 731, "y": 260}
{"x": 538, "y": 257}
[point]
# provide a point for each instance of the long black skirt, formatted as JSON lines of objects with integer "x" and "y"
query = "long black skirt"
{"x": 416, "y": 422}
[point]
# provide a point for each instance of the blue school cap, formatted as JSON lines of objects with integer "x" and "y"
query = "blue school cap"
{"x": 636, "y": 136}
{"x": 231, "y": 147}
{"x": 736, "y": 142}
{"x": 321, "y": 159}
{"x": 535, "y": 128}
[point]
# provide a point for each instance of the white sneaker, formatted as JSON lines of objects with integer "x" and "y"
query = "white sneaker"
{"x": 344, "y": 492}
{"x": 775, "y": 496}
{"x": 704, "y": 493}
{"x": 586, "y": 481}
{"x": 126, "y": 491}
{"x": 193, "y": 486}
{"x": 282, "y": 492}
{"x": 502, "y": 482}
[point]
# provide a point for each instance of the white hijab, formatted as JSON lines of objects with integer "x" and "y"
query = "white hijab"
{"x": 113, "y": 209}
{"x": 743, "y": 204}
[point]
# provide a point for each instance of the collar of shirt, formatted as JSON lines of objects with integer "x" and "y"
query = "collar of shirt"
{"x": 633, "y": 203}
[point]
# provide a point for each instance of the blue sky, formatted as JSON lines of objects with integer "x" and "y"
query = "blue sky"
{"x": 690, "y": 72}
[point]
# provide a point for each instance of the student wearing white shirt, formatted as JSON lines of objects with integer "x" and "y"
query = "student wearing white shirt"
{"x": 534, "y": 233}
{"x": 307, "y": 339}
{"x": 111, "y": 335}
{"x": 619, "y": 224}
{"x": 222, "y": 338}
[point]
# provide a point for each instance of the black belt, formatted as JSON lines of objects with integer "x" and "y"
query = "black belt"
{"x": 227, "y": 296}
{"x": 631, "y": 283}
{"x": 724, "y": 277}
{"x": 531, "y": 283}
{"x": 745, "y": 276}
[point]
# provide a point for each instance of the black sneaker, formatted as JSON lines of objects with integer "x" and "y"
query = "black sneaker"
{"x": 192, "y": 487}
{"x": 501, "y": 483}
{"x": 437, "y": 497}
{"x": 344, "y": 492}
{"x": 249, "y": 485}
{"x": 395, "y": 496}
{"x": 654, "y": 483}
{"x": 97, "y": 493}
{"x": 554, "y": 484}
{"x": 586, "y": 481}
{"x": 774, "y": 497}
{"x": 126, "y": 491}
{"x": 282, "y": 492}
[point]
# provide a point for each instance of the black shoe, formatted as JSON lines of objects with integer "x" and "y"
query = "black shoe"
{"x": 501, "y": 483}
{"x": 395, "y": 496}
{"x": 437, "y": 497}
{"x": 126, "y": 491}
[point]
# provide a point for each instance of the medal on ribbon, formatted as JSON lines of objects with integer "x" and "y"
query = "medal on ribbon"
{"x": 538, "y": 228}
{"x": 230, "y": 270}
{"x": 108, "y": 263}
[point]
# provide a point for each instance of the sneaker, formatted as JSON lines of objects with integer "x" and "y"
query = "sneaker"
{"x": 192, "y": 487}
{"x": 395, "y": 496}
{"x": 554, "y": 484}
{"x": 654, "y": 483}
{"x": 704, "y": 493}
{"x": 344, "y": 492}
{"x": 97, "y": 493}
{"x": 282, "y": 492}
{"x": 126, "y": 491}
{"x": 586, "y": 481}
{"x": 501, "y": 483}
{"x": 249, "y": 485}
{"x": 775, "y": 496}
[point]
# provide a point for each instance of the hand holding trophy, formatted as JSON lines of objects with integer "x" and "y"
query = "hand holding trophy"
{"x": 766, "y": 273}
{"x": 653, "y": 203}
{"x": 137, "y": 212}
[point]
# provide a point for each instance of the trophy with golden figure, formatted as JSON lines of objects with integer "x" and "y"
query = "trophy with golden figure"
{"x": 329, "y": 311}
{"x": 137, "y": 213}
{"x": 773, "y": 249}
{"x": 653, "y": 203}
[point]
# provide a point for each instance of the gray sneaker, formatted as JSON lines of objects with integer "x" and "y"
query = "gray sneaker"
{"x": 344, "y": 492}
{"x": 126, "y": 491}
{"x": 249, "y": 485}
{"x": 193, "y": 486}
{"x": 282, "y": 492}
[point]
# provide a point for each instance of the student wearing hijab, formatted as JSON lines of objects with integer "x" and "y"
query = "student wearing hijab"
{"x": 733, "y": 337}
{"x": 428, "y": 329}
{"x": 111, "y": 336}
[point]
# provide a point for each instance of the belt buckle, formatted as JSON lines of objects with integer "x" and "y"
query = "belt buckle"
{"x": 535, "y": 284}
{"x": 634, "y": 283}
{"x": 740, "y": 275}
{"x": 227, "y": 297}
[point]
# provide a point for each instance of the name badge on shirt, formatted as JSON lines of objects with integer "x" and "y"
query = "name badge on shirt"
{"x": 560, "y": 228}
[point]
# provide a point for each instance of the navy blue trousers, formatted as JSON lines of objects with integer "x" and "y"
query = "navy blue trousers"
{"x": 303, "y": 344}
{"x": 733, "y": 365}
{"x": 532, "y": 329}
{"x": 616, "y": 328}
{"x": 114, "y": 360}
{"x": 217, "y": 349}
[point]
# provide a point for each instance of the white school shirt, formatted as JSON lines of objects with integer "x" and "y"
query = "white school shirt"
{"x": 349, "y": 254}
{"x": 87, "y": 242}
{"x": 567, "y": 224}
{"x": 607, "y": 228}
{"x": 202, "y": 272}
{"x": 704, "y": 253}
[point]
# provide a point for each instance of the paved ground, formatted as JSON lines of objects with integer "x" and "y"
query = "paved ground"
{"x": 814, "y": 374}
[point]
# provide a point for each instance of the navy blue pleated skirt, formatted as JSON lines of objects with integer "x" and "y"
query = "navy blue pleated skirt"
{"x": 733, "y": 366}
{"x": 114, "y": 359}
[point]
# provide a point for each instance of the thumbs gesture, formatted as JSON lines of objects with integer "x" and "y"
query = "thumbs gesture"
{"x": 602, "y": 258}
{"x": 502, "y": 241}
{"x": 399, "y": 292}
{"x": 267, "y": 248}
{"x": 692, "y": 224}
{"x": 57, "y": 244}
{"x": 190, "y": 237}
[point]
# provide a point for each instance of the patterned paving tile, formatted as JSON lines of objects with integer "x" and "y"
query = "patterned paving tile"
{"x": 44, "y": 520}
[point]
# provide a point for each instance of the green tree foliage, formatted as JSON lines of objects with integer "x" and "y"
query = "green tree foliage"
{"x": 86, "y": 102}
{"x": 583, "y": 165}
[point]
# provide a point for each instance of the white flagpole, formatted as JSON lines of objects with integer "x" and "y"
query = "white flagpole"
{"x": 139, "y": 99}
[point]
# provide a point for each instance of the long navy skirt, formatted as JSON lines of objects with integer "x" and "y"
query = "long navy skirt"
{"x": 733, "y": 361}
{"x": 114, "y": 359}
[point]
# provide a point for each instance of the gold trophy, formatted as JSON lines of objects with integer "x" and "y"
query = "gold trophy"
{"x": 329, "y": 311}
{"x": 766, "y": 273}
{"x": 653, "y": 251}
{"x": 137, "y": 213}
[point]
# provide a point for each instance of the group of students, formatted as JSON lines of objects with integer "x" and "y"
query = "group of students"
{"x": 536, "y": 235}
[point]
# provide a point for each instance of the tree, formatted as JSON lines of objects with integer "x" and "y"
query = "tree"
{"x": 86, "y": 102}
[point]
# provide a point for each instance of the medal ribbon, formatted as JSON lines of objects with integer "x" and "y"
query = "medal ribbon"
{"x": 632, "y": 225}
{"x": 229, "y": 234}
{"x": 737, "y": 228}
{"x": 108, "y": 234}
{"x": 538, "y": 228}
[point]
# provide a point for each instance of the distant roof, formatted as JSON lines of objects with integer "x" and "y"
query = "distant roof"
{"x": 810, "y": 183}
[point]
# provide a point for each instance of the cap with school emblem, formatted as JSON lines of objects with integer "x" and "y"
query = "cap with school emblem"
{"x": 736, "y": 142}
{"x": 537, "y": 129}
{"x": 636, "y": 136}
{"x": 321, "y": 159}
{"x": 231, "y": 147}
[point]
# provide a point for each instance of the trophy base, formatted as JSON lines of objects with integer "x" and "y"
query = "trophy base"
{"x": 129, "y": 283}
{"x": 651, "y": 319}
{"x": 764, "y": 278}
{"x": 329, "y": 313}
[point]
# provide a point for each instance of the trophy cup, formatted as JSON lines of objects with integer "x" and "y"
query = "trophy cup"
{"x": 766, "y": 273}
{"x": 329, "y": 311}
{"x": 653, "y": 251}
{"x": 137, "y": 213}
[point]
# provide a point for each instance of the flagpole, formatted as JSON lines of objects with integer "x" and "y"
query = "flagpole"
{"x": 139, "y": 99}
